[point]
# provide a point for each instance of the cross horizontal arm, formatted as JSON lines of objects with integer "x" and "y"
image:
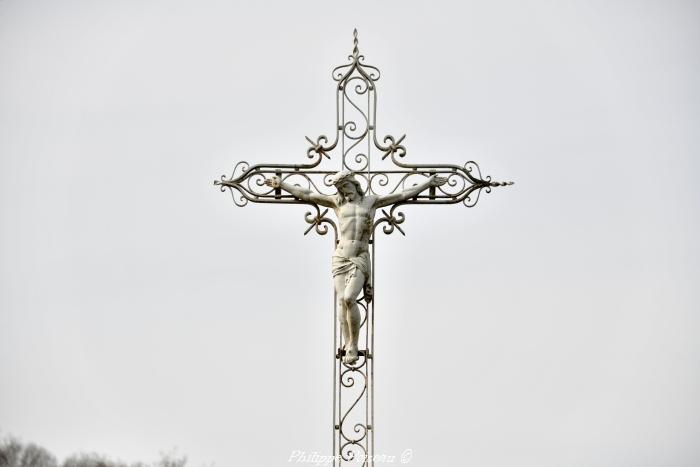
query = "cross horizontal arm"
{"x": 407, "y": 184}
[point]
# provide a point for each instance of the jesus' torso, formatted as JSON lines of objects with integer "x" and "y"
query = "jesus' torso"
{"x": 355, "y": 221}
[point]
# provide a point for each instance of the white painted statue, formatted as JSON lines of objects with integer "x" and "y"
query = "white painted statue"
{"x": 351, "y": 261}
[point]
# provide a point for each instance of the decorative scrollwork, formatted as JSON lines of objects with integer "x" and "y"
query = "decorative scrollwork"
{"x": 319, "y": 222}
{"x": 391, "y": 146}
{"x": 358, "y": 80}
{"x": 369, "y": 72}
{"x": 392, "y": 221}
{"x": 353, "y": 377}
{"x": 319, "y": 148}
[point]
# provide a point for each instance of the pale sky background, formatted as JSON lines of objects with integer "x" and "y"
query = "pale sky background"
{"x": 555, "y": 324}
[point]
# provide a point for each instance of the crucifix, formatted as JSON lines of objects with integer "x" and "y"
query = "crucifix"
{"x": 364, "y": 193}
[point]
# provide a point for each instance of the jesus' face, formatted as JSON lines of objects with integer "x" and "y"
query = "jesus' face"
{"x": 349, "y": 191}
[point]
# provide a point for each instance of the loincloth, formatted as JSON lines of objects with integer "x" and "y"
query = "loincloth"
{"x": 350, "y": 265}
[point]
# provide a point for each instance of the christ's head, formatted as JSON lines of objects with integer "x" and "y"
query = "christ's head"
{"x": 349, "y": 189}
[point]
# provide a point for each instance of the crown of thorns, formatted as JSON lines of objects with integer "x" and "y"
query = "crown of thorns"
{"x": 343, "y": 176}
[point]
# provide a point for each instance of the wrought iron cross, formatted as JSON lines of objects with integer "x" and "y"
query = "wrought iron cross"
{"x": 316, "y": 184}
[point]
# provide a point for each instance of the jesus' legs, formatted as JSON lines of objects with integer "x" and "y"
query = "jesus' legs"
{"x": 352, "y": 314}
{"x": 339, "y": 283}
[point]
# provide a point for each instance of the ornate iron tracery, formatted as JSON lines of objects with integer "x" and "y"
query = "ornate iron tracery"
{"x": 354, "y": 140}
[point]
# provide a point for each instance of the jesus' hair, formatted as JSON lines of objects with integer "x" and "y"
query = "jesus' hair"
{"x": 341, "y": 197}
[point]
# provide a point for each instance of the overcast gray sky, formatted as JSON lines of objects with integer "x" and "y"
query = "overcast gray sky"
{"x": 554, "y": 324}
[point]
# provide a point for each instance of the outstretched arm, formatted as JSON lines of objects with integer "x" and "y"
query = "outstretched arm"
{"x": 409, "y": 193}
{"x": 303, "y": 194}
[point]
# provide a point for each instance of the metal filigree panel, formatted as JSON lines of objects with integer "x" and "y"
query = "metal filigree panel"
{"x": 354, "y": 139}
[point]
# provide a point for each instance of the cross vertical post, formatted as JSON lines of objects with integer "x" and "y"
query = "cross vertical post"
{"x": 358, "y": 194}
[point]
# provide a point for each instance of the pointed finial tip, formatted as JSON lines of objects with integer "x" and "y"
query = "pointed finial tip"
{"x": 355, "y": 48}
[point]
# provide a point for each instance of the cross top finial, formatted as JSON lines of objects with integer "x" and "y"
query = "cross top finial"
{"x": 355, "y": 49}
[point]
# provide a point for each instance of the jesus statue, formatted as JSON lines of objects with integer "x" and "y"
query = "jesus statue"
{"x": 351, "y": 262}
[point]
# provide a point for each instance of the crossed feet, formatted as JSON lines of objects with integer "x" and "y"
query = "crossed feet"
{"x": 351, "y": 354}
